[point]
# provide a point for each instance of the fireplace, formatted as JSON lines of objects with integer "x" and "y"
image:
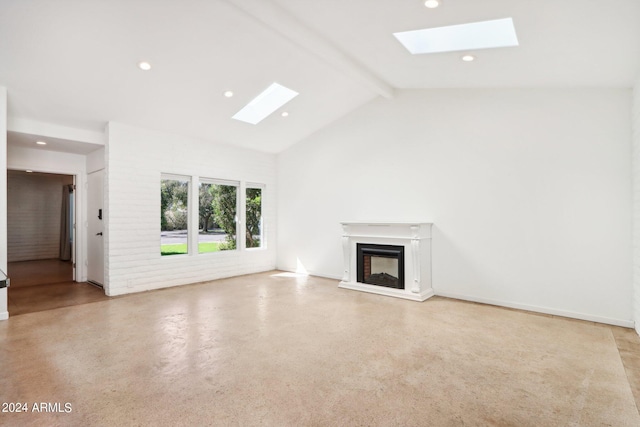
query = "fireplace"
{"x": 381, "y": 265}
{"x": 388, "y": 258}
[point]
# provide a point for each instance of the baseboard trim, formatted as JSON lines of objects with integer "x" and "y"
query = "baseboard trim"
{"x": 525, "y": 307}
{"x": 309, "y": 273}
{"x": 4, "y": 315}
{"x": 111, "y": 291}
{"x": 536, "y": 309}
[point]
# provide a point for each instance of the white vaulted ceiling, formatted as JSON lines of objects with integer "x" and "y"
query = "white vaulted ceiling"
{"x": 73, "y": 63}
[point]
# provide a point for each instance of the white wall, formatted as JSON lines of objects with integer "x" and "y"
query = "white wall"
{"x": 95, "y": 160}
{"x": 135, "y": 159}
{"x": 34, "y": 209}
{"x": 528, "y": 190}
{"x": 4, "y": 313}
{"x": 41, "y": 160}
{"x": 636, "y": 203}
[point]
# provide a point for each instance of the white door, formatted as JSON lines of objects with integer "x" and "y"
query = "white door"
{"x": 95, "y": 241}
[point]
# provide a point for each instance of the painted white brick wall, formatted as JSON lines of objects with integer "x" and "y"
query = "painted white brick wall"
{"x": 135, "y": 160}
{"x": 635, "y": 120}
{"x": 34, "y": 208}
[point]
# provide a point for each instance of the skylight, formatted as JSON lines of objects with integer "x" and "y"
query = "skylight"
{"x": 476, "y": 35}
{"x": 272, "y": 98}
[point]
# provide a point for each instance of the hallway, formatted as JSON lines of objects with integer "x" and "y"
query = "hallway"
{"x": 47, "y": 284}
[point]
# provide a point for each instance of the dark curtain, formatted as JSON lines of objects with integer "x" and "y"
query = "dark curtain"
{"x": 65, "y": 220}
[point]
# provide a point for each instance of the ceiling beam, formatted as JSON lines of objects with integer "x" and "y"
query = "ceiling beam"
{"x": 281, "y": 21}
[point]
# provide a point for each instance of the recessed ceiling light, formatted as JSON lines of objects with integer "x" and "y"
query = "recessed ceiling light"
{"x": 29, "y": 171}
{"x": 431, "y": 4}
{"x": 41, "y": 143}
{"x": 144, "y": 65}
{"x": 468, "y": 58}
{"x": 285, "y": 114}
{"x": 453, "y": 38}
{"x": 263, "y": 105}
{"x": 228, "y": 94}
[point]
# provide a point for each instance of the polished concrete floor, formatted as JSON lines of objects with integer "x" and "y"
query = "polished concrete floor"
{"x": 275, "y": 349}
{"x": 45, "y": 285}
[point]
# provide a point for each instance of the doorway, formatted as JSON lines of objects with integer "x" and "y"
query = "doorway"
{"x": 41, "y": 244}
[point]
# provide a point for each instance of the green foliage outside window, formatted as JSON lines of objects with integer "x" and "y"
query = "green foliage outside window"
{"x": 217, "y": 208}
{"x": 205, "y": 200}
{"x": 254, "y": 217}
{"x": 225, "y": 202}
{"x": 174, "y": 215}
{"x": 174, "y": 200}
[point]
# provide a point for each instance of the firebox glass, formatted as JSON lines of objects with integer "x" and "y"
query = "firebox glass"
{"x": 381, "y": 265}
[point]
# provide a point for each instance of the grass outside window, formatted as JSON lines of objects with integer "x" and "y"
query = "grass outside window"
{"x": 182, "y": 249}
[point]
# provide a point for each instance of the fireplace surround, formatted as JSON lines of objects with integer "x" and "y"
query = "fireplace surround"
{"x": 392, "y": 259}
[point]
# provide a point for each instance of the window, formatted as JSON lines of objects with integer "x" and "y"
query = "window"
{"x": 218, "y": 215}
{"x": 174, "y": 215}
{"x": 253, "y": 220}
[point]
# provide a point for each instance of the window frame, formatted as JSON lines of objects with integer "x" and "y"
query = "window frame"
{"x": 218, "y": 181}
{"x": 263, "y": 239}
{"x": 189, "y": 180}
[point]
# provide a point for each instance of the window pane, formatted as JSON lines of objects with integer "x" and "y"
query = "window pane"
{"x": 174, "y": 216}
{"x": 254, "y": 218}
{"x": 218, "y": 216}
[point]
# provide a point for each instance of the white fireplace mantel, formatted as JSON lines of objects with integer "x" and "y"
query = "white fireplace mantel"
{"x": 416, "y": 239}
